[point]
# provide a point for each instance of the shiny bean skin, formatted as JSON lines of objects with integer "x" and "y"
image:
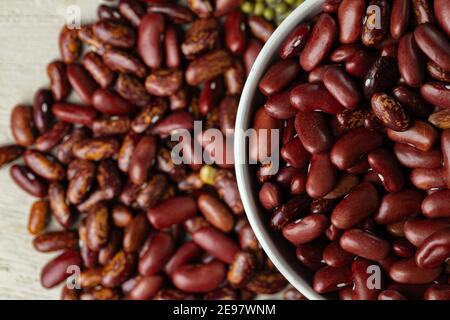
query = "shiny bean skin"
{"x": 59, "y": 83}
{"x": 399, "y": 17}
{"x": 55, "y": 271}
{"x": 441, "y": 11}
{"x": 201, "y": 278}
{"x": 386, "y": 165}
{"x": 313, "y": 131}
{"x": 278, "y": 76}
{"x": 149, "y": 47}
{"x": 417, "y": 230}
{"x": 435, "y": 250}
{"x": 352, "y": 146}
{"x": 437, "y": 205}
{"x": 172, "y": 211}
{"x": 73, "y": 113}
{"x": 437, "y": 292}
{"x": 295, "y": 154}
{"x": 22, "y": 125}
{"x": 362, "y": 201}
{"x": 361, "y": 279}
{"x": 350, "y": 17}
{"x": 335, "y": 256}
{"x": 342, "y": 87}
{"x": 437, "y": 93}
{"x": 410, "y": 61}
{"x": 329, "y": 279}
{"x": 420, "y": 135}
{"x": 434, "y": 44}
{"x": 157, "y": 254}
{"x": 322, "y": 176}
{"x": 216, "y": 243}
{"x": 399, "y": 205}
{"x": 110, "y": 103}
{"x": 309, "y": 97}
{"x": 142, "y": 160}
{"x": 216, "y": 212}
{"x": 320, "y": 42}
{"x": 82, "y": 83}
{"x": 44, "y": 165}
{"x": 28, "y": 181}
{"x": 295, "y": 42}
{"x": 407, "y": 272}
{"x": 414, "y": 158}
{"x": 427, "y": 179}
{"x": 306, "y": 229}
{"x": 185, "y": 254}
{"x": 364, "y": 244}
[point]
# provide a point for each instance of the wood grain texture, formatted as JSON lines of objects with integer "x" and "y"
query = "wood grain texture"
{"x": 28, "y": 41}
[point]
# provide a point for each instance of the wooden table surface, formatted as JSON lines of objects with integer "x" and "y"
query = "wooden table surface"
{"x": 28, "y": 41}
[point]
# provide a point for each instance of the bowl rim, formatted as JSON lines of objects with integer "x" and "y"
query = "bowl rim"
{"x": 306, "y": 10}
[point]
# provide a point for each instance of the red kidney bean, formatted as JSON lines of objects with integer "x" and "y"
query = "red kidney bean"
{"x": 82, "y": 83}
{"x": 278, "y": 76}
{"x": 110, "y": 103}
{"x": 172, "y": 48}
{"x": 157, "y": 255}
{"x": 251, "y": 53}
{"x": 434, "y": 44}
{"x": 73, "y": 113}
{"x": 420, "y": 135}
{"x": 412, "y": 101}
{"x": 59, "y": 83}
{"x": 314, "y": 96}
{"x": 382, "y": 76}
{"x": 437, "y": 93}
{"x": 350, "y": 16}
{"x": 344, "y": 52}
{"x": 51, "y": 138}
{"x": 361, "y": 275}
{"x": 441, "y": 11}
{"x": 335, "y": 256}
{"x": 410, "y": 61}
{"x": 427, "y": 179}
{"x": 295, "y": 154}
{"x": 22, "y": 125}
{"x": 313, "y": 131}
{"x": 260, "y": 28}
{"x": 329, "y": 279}
{"x": 385, "y": 165}
{"x": 403, "y": 248}
{"x": 296, "y": 41}
{"x": 434, "y": 250}
{"x": 149, "y": 47}
{"x": 306, "y": 229}
{"x": 437, "y": 205}
{"x": 364, "y": 244}
{"x": 270, "y": 196}
{"x": 322, "y": 176}
{"x": 172, "y": 211}
{"x": 216, "y": 243}
{"x": 437, "y": 292}
{"x": 235, "y": 32}
{"x": 417, "y": 230}
{"x": 399, "y": 17}
{"x": 28, "y": 181}
{"x": 320, "y": 42}
{"x": 360, "y": 63}
{"x": 185, "y": 254}
{"x": 201, "y": 278}
{"x": 342, "y": 87}
{"x": 43, "y": 101}
{"x": 56, "y": 271}
{"x": 407, "y": 272}
{"x": 413, "y": 158}
{"x": 142, "y": 159}
{"x": 352, "y": 146}
{"x": 311, "y": 255}
{"x": 362, "y": 201}
{"x": 398, "y": 206}
{"x": 131, "y": 10}
{"x": 146, "y": 288}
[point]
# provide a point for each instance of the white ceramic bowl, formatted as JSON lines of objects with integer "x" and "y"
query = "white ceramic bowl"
{"x": 277, "y": 248}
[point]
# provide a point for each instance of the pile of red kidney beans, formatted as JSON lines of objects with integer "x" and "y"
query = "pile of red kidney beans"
{"x": 365, "y": 115}
{"x": 137, "y": 225}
